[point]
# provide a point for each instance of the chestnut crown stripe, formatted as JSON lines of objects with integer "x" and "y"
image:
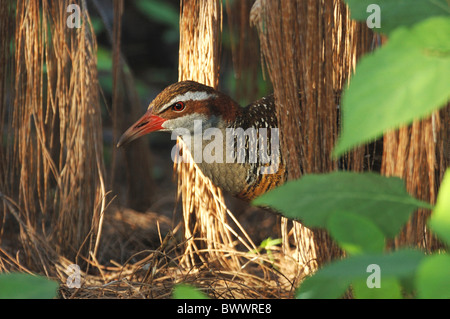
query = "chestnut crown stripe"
{"x": 188, "y": 96}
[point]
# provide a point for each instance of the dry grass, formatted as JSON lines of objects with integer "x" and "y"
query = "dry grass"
{"x": 202, "y": 202}
{"x": 309, "y": 47}
{"x": 416, "y": 153}
{"x": 147, "y": 272}
{"x": 152, "y": 273}
{"x": 419, "y": 154}
{"x": 200, "y": 41}
{"x": 54, "y": 182}
{"x": 55, "y": 213}
{"x": 210, "y": 239}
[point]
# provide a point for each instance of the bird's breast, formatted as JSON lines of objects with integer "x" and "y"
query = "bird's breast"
{"x": 237, "y": 162}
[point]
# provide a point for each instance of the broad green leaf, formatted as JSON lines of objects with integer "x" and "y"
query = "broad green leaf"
{"x": 25, "y": 286}
{"x": 433, "y": 277}
{"x": 439, "y": 221}
{"x": 313, "y": 198}
{"x": 389, "y": 289}
{"x": 397, "y": 13}
{"x": 355, "y": 234}
{"x": 334, "y": 279}
{"x": 184, "y": 291}
{"x": 405, "y": 80}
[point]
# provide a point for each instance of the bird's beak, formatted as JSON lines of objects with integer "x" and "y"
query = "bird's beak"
{"x": 146, "y": 124}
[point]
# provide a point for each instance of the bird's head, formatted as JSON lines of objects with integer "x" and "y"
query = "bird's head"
{"x": 181, "y": 105}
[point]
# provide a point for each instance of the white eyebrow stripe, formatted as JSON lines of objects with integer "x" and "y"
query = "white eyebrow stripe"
{"x": 189, "y": 96}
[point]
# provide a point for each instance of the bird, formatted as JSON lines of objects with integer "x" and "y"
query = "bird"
{"x": 236, "y": 147}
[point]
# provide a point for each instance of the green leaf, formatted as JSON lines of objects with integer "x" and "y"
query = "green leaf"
{"x": 313, "y": 198}
{"x": 333, "y": 280}
{"x": 389, "y": 289}
{"x": 160, "y": 11}
{"x": 269, "y": 243}
{"x": 405, "y": 80}
{"x": 104, "y": 59}
{"x": 25, "y": 286}
{"x": 184, "y": 291}
{"x": 397, "y": 13}
{"x": 355, "y": 234}
{"x": 433, "y": 277}
{"x": 439, "y": 221}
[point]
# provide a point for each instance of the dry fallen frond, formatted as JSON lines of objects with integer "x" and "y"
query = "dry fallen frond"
{"x": 309, "y": 47}
{"x": 53, "y": 187}
{"x": 54, "y": 171}
{"x": 203, "y": 208}
{"x": 416, "y": 153}
{"x": 210, "y": 238}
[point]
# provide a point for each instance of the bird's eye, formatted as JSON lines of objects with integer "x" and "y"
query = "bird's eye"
{"x": 178, "y": 107}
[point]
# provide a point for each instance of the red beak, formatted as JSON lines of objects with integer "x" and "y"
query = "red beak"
{"x": 146, "y": 124}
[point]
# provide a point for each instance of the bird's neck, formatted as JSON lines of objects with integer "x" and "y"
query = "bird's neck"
{"x": 227, "y": 109}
